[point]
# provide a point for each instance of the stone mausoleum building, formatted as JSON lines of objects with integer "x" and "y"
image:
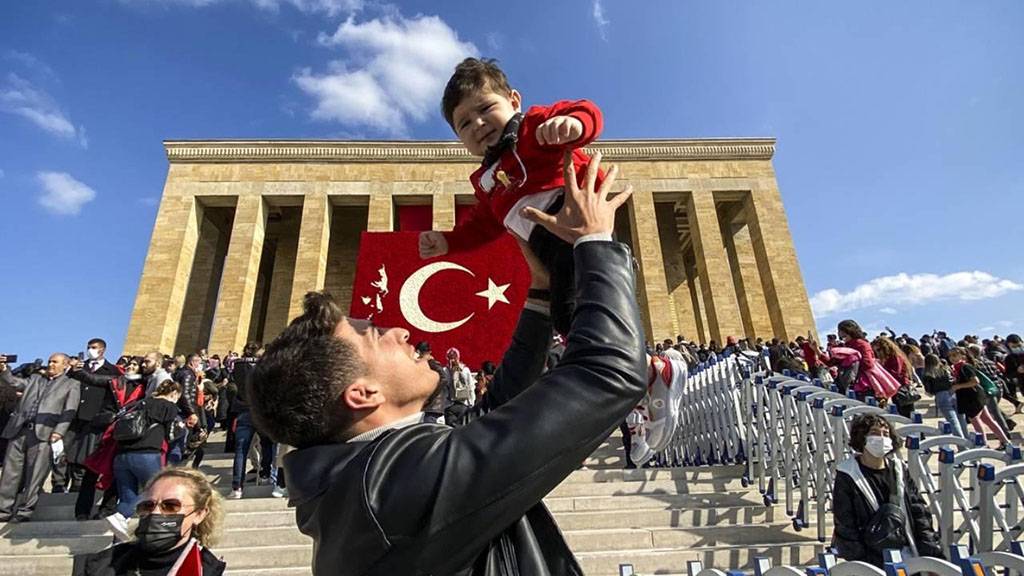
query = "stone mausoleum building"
{"x": 245, "y": 228}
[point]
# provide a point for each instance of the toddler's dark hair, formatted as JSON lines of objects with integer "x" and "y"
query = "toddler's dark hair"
{"x": 472, "y": 75}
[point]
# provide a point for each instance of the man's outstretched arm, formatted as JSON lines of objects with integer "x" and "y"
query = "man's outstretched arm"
{"x": 475, "y": 481}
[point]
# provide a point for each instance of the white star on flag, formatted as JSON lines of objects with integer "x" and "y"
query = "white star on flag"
{"x": 494, "y": 293}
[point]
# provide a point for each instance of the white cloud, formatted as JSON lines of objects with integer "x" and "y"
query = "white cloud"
{"x": 62, "y": 194}
{"x": 912, "y": 289}
{"x": 22, "y": 98}
{"x": 395, "y": 72}
{"x": 888, "y": 310}
{"x": 328, "y": 7}
{"x": 601, "y": 20}
{"x": 32, "y": 63}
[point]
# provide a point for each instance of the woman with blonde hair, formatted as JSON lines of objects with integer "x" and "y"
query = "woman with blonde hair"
{"x": 180, "y": 516}
{"x": 896, "y": 363}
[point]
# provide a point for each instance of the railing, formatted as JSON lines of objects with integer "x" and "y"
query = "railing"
{"x": 961, "y": 564}
{"x": 791, "y": 433}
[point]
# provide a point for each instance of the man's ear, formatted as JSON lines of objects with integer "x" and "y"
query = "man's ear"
{"x": 516, "y": 99}
{"x": 363, "y": 395}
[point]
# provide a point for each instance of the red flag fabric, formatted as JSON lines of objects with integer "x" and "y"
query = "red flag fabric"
{"x": 192, "y": 564}
{"x": 470, "y": 301}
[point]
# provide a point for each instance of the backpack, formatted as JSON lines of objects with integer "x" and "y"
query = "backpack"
{"x": 463, "y": 389}
{"x": 990, "y": 387}
{"x": 132, "y": 423}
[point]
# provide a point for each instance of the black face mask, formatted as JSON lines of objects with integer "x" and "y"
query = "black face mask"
{"x": 159, "y": 532}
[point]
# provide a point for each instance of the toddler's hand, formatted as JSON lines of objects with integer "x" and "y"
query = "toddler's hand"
{"x": 559, "y": 130}
{"x": 432, "y": 244}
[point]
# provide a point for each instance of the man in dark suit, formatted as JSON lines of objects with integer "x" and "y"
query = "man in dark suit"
{"x": 96, "y": 410}
{"x": 43, "y": 415}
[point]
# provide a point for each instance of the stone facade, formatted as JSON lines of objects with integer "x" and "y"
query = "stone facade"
{"x": 245, "y": 228}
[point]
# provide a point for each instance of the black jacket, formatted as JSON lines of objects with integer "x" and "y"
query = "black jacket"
{"x": 100, "y": 384}
{"x": 851, "y": 514}
{"x": 124, "y": 559}
{"x": 429, "y": 499}
{"x": 97, "y": 402}
{"x": 188, "y": 402}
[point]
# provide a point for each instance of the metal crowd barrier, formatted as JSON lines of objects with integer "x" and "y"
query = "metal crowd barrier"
{"x": 961, "y": 563}
{"x": 794, "y": 434}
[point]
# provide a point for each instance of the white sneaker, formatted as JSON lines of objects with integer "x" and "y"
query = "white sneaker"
{"x": 236, "y": 494}
{"x": 279, "y": 492}
{"x": 120, "y": 526}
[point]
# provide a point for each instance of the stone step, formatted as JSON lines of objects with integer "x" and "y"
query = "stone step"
{"x": 71, "y": 528}
{"x": 597, "y": 550}
{"x": 235, "y": 538}
{"x": 66, "y": 510}
{"x": 567, "y": 521}
{"x": 796, "y": 553}
{"x": 634, "y": 502}
{"x": 579, "y": 540}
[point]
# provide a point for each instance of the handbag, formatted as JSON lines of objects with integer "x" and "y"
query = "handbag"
{"x": 887, "y": 527}
{"x": 905, "y": 396}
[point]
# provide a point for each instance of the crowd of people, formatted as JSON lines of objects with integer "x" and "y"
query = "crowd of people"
{"x": 968, "y": 378}
{"x": 87, "y": 423}
{"x": 59, "y": 418}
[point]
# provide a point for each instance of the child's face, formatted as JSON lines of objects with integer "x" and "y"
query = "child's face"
{"x": 481, "y": 117}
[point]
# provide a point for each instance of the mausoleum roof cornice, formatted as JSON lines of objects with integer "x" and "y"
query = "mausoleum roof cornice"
{"x": 232, "y": 151}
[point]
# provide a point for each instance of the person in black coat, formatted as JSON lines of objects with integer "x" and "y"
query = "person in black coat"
{"x": 96, "y": 410}
{"x": 864, "y": 482}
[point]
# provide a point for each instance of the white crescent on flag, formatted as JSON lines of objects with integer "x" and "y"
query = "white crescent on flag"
{"x": 409, "y": 298}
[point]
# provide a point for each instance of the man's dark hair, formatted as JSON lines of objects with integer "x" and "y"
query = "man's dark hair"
{"x": 1013, "y": 339}
{"x": 861, "y": 426}
{"x": 472, "y": 75}
{"x": 99, "y": 341}
{"x": 296, "y": 388}
{"x": 191, "y": 357}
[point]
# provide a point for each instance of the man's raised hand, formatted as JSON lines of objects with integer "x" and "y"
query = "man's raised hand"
{"x": 584, "y": 211}
{"x": 432, "y": 244}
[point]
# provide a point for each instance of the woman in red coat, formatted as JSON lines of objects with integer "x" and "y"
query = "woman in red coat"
{"x": 872, "y": 379}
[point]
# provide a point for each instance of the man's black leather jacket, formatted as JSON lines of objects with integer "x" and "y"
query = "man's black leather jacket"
{"x": 432, "y": 500}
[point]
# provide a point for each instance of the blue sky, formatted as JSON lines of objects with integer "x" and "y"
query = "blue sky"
{"x": 900, "y": 127}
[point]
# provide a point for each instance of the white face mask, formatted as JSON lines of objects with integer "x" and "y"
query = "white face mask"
{"x": 93, "y": 353}
{"x": 878, "y": 446}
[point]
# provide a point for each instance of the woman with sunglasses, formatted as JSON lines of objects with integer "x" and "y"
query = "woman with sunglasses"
{"x": 180, "y": 516}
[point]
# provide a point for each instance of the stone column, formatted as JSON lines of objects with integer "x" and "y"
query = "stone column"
{"x": 683, "y": 314}
{"x": 314, "y": 242}
{"x": 444, "y": 211}
{"x": 783, "y": 284}
{"x": 746, "y": 280}
{"x": 716, "y": 285}
{"x": 652, "y": 288}
{"x": 281, "y": 280}
{"x": 241, "y": 271}
{"x": 162, "y": 289}
{"x": 201, "y": 298}
{"x": 382, "y": 213}
{"x": 696, "y": 300}
{"x": 749, "y": 292}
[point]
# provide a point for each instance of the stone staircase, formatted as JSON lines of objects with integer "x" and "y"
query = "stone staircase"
{"x": 654, "y": 519}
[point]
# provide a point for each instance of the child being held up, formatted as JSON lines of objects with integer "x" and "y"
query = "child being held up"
{"x": 521, "y": 169}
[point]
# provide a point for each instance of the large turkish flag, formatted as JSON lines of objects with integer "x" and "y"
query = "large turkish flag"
{"x": 469, "y": 300}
